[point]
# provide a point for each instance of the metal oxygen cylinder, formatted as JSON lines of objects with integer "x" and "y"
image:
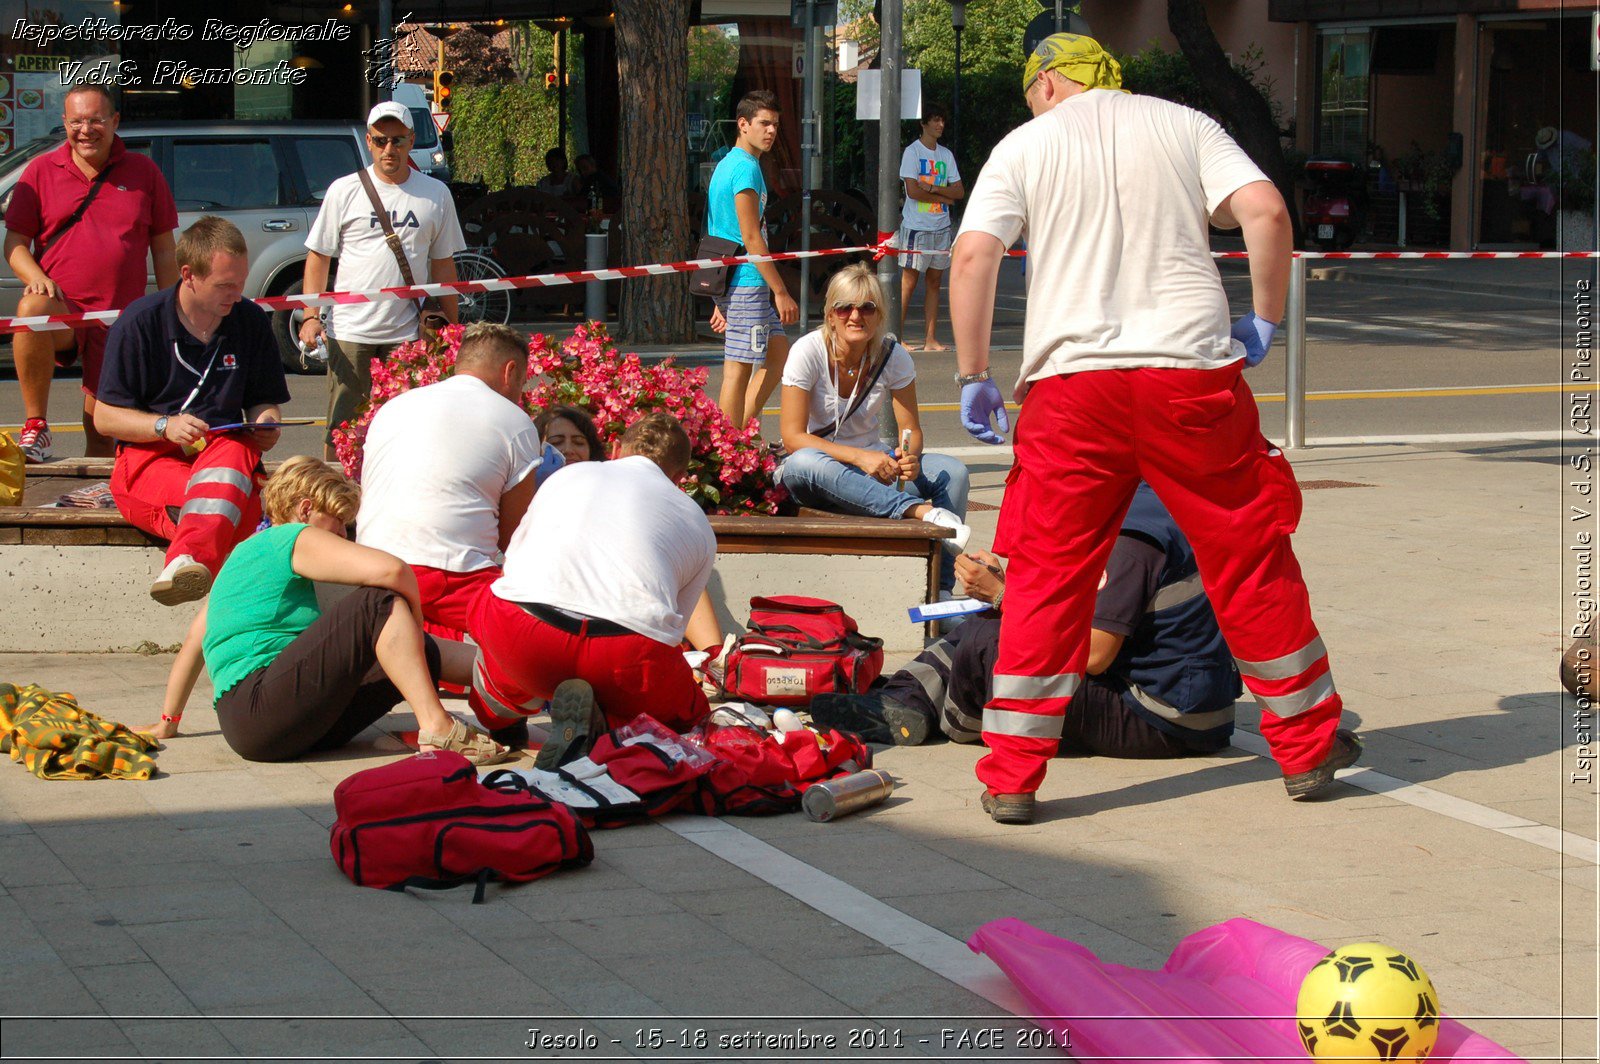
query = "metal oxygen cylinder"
{"x": 845, "y": 795}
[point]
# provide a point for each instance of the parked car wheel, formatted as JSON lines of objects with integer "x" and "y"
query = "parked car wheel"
{"x": 286, "y": 328}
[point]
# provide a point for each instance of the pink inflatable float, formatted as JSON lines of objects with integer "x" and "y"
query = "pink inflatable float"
{"x": 1207, "y": 1002}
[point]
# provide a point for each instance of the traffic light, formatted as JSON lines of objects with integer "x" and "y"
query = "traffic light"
{"x": 442, "y": 80}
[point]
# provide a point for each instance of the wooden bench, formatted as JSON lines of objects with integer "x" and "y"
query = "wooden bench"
{"x": 63, "y": 596}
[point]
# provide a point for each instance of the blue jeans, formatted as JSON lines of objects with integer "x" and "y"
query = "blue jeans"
{"x": 816, "y": 480}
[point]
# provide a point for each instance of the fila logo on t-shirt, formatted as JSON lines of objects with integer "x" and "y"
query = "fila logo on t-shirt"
{"x": 397, "y": 222}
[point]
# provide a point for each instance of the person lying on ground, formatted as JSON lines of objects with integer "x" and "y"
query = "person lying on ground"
{"x": 836, "y": 381}
{"x": 1161, "y": 681}
{"x": 574, "y": 436}
{"x": 292, "y": 678}
{"x": 600, "y": 580}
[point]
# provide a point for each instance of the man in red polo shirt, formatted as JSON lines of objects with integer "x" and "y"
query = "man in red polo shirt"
{"x": 73, "y": 258}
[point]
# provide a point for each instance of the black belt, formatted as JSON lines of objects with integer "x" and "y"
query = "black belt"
{"x": 573, "y": 625}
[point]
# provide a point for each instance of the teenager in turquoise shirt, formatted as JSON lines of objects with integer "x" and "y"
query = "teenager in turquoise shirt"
{"x": 757, "y": 305}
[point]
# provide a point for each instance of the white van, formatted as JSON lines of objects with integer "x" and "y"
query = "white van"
{"x": 427, "y": 153}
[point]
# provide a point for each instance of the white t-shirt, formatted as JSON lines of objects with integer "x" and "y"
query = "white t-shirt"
{"x": 807, "y": 368}
{"x": 424, "y": 217}
{"x": 936, "y": 167}
{"x": 1115, "y": 192}
{"x": 437, "y": 461}
{"x": 615, "y": 540}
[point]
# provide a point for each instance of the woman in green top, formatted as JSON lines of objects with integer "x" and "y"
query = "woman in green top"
{"x": 292, "y": 679}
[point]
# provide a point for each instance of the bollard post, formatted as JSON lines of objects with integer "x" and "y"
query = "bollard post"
{"x": 594, "y": 258}
{"x": 1294, "y": 387}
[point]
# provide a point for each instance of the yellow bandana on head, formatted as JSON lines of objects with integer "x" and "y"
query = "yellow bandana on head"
{"x": 1079, "y": 59}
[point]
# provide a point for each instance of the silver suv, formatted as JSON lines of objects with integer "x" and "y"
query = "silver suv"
{"x": 268, "y": 178}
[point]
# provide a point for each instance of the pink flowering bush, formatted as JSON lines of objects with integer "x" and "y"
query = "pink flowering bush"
{"x": 730, "y": 469}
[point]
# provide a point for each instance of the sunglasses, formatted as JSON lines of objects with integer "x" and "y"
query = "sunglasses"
{"x": 384, "y": 142}
{"x": 844, "y": 309}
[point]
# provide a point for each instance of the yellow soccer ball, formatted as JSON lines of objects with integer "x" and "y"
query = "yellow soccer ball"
{"x": 1367, "y": 1002}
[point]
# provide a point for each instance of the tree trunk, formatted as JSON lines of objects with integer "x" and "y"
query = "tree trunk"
{"x": 1239, "y": 102}
{"x": 653, "y": 69}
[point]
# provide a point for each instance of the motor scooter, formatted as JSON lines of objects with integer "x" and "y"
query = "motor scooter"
{"x": 1335, "y": 206}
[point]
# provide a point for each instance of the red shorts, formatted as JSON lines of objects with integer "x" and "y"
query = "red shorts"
{"x": 88, "y": 347}
{"x": 447, "y": 597}
{"x": 522, "y": 658}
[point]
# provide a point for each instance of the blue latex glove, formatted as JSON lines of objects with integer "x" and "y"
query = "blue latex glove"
{"x": 1255, "y": 335}
{"x": 980, "y": 401}
{"x": 551, "y": 462}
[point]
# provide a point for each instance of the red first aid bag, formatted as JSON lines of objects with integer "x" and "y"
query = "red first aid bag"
{"x": 797, "y": 648}
{"x": 756, "y": 775}
{"x": 427, "y": 822}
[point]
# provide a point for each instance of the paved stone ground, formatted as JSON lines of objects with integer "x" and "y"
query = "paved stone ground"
{"x": 183, "y": 904}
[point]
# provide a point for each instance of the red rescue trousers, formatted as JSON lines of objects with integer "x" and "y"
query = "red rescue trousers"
{"x": 205, "y": 503}
{"x": 522, "y": 658}
{"x": 1083, "y": 443}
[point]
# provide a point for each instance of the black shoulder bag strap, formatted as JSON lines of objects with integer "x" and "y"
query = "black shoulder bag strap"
{"x": 77, "y": 215}
{"x": 389, "y": 235}
{"x": 862, "y": 391}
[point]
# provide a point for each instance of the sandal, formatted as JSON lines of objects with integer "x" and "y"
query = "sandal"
{"x": 470, "y": 743}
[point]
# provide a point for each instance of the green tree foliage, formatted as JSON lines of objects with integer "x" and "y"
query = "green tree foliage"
{"x": 1169, "y": 75}
{"x": 713, "y": 56}
{"x": 991, "y": 73}
{"x": 501, "y": 133}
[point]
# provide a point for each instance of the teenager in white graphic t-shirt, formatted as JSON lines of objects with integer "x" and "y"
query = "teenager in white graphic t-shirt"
{"x": 933, "y": 183}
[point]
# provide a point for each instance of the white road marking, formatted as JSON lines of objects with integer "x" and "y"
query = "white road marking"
{"x": 861, "y": 912}
{"x": 1448, "y": 805}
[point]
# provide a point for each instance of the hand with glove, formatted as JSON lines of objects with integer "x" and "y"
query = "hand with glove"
{"x": 981, "y": 402}
{"x": 548, "y": 464}
{"x": 1254, "y": 334}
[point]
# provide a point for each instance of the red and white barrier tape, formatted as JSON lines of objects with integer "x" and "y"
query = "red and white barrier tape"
{"x": 55, "y": 322}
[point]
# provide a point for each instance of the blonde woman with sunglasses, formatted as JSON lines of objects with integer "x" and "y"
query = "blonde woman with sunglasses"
{"x": 834, "y": 385}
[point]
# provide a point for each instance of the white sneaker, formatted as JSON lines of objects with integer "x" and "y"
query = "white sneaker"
{"x": 945, "y": 519}
{"x": 183, "y": 580}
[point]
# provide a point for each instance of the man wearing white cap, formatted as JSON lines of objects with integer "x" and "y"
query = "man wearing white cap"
{"x": 416, "y": 210}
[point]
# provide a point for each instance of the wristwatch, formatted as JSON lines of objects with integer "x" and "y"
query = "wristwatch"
{"x": 161, "y": 426}
{"x": 964, "y": 379}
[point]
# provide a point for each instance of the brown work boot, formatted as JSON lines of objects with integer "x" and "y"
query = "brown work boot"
{"x": 1346, "y": 750}
{"x": 575, "y": 723}
{"x": 1008, "y": 808}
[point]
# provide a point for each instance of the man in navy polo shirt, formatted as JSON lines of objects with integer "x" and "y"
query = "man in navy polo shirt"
{"x": 181, "y": 364}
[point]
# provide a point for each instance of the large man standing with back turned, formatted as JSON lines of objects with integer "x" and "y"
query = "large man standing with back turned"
{"x": 1130, "y": 371}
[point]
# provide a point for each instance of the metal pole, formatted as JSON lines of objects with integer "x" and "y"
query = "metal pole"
{"x": 889, "y": 61}
{"x": 808, "y": 150}
{"x": 594, "y": 295}
{"x": 955, "y": 97}
{"x": 562, "y": 39}
{"x": 385, "y": 42}
{"x": 1060, "y": 17}
{"x": 1294, "y": 386}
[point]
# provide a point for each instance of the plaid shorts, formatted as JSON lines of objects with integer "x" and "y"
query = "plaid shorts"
{"x": 752, "y": 321}
{"x": 930, "y": 248}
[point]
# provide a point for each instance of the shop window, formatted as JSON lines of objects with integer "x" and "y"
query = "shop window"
{"x": 1342, "y": 104}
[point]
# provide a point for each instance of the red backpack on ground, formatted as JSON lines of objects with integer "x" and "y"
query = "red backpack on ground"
{"x": 797, "y": 648}
{"x": 427, "y": 822}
